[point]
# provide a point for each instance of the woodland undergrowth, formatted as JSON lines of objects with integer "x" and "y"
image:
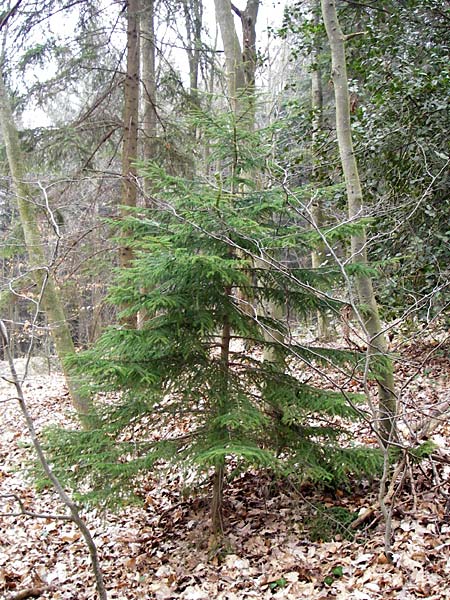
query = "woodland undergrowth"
{"x": 282, "y": 540}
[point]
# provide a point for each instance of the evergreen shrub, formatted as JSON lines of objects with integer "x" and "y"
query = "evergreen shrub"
{"x": 213, "y": 377}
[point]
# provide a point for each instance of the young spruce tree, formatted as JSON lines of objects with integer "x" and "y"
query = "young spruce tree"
{"x": 193, "y": 384}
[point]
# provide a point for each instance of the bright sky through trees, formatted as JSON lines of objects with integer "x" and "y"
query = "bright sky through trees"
{"x": 62, "y": 26}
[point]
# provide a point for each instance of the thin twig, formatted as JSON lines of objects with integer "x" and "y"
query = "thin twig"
{"x": 367, "y": 514}
{"x": 64, "y": 497}
{"x": 28, "y": 513}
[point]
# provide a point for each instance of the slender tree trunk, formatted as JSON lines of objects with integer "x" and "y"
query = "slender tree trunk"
{"x": 249, "y": 57}
{"x": 43, "y": 277}
{"x": 148, "y": 115}
{"x": 318, "y": 256}
{"x": 97, "y": 289}
{"x": 368, "y": 305}
{"x": 233, "y": 53}
{"x": 217, "y": 499}
{"x": 130, "y": 132}
{"x": 193, "y": 18}
{"x": 241, "y": 69}
{"x": 210, "y": 84}
{"x": 148, "y": 105}
{"x": 148, "y": 87}
{"x": 219, "y": 471}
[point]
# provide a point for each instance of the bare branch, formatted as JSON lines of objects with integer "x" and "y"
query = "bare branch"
{"x": 355, "y": 34}
{"x": 64, "y": 497}
{"x": 9, "y": 14}
{"x": 28, "y": 513}
{"x": 236, "y": 10}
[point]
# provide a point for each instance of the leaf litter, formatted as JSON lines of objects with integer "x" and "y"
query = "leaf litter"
{"x": 160, "y": 550}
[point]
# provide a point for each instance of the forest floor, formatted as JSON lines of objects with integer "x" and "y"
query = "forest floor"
{"x": 277, "y": 537}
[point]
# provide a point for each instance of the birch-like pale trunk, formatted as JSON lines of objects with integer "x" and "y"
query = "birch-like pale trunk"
{"x": 241, "y": 68}
{"x": 377, "y": 344}
{"x": 41, "y": 273}
{"x": 233, "y": 53}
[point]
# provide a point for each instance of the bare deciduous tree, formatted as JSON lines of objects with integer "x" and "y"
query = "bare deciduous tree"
{"x": 41, "y": 271}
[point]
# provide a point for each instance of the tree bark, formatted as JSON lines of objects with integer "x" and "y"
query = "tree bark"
{"x": 148, "y": 87}
{"x": 248, "y": 18}
{"x": 318, "y": 255}
{"x": 233, "y": 52}
{"x": 217, "y": 500}
{"x": 193, "y": 17}
{"x": 42, "y": 275}
{"x": 241, "y": 69}
{"x": 377, "y": 344}
{"x": 130, "y": 134}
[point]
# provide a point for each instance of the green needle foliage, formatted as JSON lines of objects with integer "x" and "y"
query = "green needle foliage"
{"x": 193, "y": 385}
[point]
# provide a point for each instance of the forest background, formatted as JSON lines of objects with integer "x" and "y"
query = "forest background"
{"x": 236, "y": 246}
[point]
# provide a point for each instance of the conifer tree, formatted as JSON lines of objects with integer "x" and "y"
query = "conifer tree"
{"x": 195, "y": 370}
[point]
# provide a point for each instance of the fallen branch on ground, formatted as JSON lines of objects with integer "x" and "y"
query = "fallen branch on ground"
{"x": 33, "y": 592}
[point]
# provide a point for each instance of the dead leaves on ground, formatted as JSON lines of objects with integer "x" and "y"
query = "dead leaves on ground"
{"x": 160, "y": 551}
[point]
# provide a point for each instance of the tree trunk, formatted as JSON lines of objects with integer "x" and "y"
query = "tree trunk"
{"x": 130, "y": 133}
{"x": 217, "y": 499}
{"x": 219, "y": 470}
{"x": 43, "y": 277}
{"x": 241, "y": 68}
{"x": 148, "y": 88}
{"x": 248, "y": 20}
{"x": 368, "y": 306}
{"x": 193, "y": 17}
{"x": 233, "y": 53}
{"x": 318, "y": 256}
